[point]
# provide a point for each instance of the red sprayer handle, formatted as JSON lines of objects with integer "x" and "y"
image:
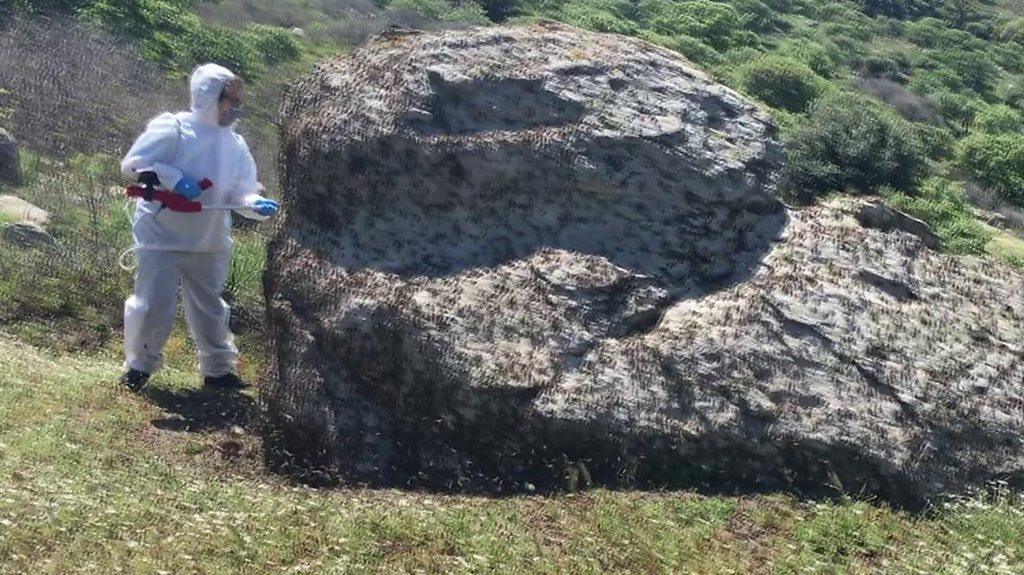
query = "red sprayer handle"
{"x": 171, "y": 200}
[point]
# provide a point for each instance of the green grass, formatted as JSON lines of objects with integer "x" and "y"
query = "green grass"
{"x": 93, "y": 480}
{"x": 1006, "y": 246}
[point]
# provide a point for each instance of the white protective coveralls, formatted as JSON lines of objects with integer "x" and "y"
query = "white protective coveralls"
{"x": 190, "y": 249}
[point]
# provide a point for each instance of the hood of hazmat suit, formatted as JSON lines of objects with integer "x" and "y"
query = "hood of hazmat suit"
{"x": 194, "y": 144}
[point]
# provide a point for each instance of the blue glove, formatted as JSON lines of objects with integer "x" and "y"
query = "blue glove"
{"x": 188, "y": 187}
{"x": 266, "y": 207}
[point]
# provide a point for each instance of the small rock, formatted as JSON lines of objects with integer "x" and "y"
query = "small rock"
{"x": 880, "y": 217}
{"x": 230, "y": 448}
{"x": 19, "y": 210}
{"x": 27, "y": 235}
{"x": 299, "y": 32}
{"x": 237, "y": 430}
{"x": 10, "y": 166}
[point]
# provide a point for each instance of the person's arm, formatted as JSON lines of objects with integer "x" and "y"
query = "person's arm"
{"x": 154, "y": 147}
{"x": 248, "y": 190}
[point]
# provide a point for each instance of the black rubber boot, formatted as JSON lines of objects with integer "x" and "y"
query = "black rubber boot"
{"x": 228, "y": 381}
{"x": 134, "y": 380}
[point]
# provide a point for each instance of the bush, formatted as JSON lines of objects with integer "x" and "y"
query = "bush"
{"x": 1012, "y": 95}
{"x": 823, "y": 57}
{"x": 710, "y": 22}
{"x": 274, "y": 44}
{"x": 937, "y": 143}
{"x": 693, "y": 49}
{"x": 996, "y": 162}
{"x": 850, "y": 142}
{"x": 934, "y": 33}
{"x": 944, "y": 206}
{"x": 597, "y": 16}
{"x": 999, "y": 120}
{"x": 958, "y": 110}
{"x": 878, "y": 66}
{"x": 178, "y": 39}
{"x": 222, "y": 46}
{"x": 781, "y": 82}
{"x": 755, "y": 15}
{"x": 860, "y": 33}
{"x": 900, "y": 9}
{"x": 974, "y": 70}
{"x": 1012, "y": 31}
{"x": 443, "y": 10}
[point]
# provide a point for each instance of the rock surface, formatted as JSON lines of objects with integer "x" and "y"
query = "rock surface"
{"x": 16, "y": 209}
{"x": 27, "y": 235}
{"x": 515, "y": 255}
{"x": 881, "y": 217}
{"x": 10, "y": 165}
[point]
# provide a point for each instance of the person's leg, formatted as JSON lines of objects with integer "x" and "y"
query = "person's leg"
{"x": 150, "y": 311}
{"x": 202, "y": 281}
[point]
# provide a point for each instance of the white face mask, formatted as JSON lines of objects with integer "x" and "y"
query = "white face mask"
{"x": 233, "y": 114}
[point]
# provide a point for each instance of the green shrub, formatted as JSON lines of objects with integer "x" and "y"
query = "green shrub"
{"x": 999, "y": 119}
{"x": 443, "y": 10}
{"x": 859, "y": 32}
{"x": 1011, "y": 94}
{"x": 467, "y": 12}
{"x": 781, "y": 82}
{"x": 1009, "y": 56}
{"x": 944, "y": 206}
{"x": 996, "y": 162}
{"x": 178, "y": 39}
{"x": 755, "y": 15}
{"x": 959, "y": 13}
{"x": 937, "y": 143}
{"x": 736, "y": 58}
{"x": 880, "y": 66}
{"x": 958, "y": 110}
{"x": 693, "y": 49}
{"x": 934, "y": 33}
{"x": 974, "y": 70}
{"x": 837, "y": 12}
{"x": 851, "y": 142}
{"x": 824, "y": 57}
{"x": 931, "y": 81}
{"x": 901, "y": 9}
{"x": 710, "y": 22}
{"x": 1012, "y": 31}
{"x": 274, "y": 44}
{"x": 222, "y": 46}
{"x": 983, "y": 30}
{"x": 602, "y": 17}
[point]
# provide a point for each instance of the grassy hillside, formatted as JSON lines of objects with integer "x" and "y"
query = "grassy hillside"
{"x": 93, "y": 480}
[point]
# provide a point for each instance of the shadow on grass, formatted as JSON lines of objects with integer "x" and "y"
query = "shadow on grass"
{"x": 201, "y": 410}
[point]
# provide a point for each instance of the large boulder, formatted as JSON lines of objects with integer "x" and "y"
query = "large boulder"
{"x": 10, "y": 164}
{"x": 16, "y": 209}
{"x": 510, "y": 256}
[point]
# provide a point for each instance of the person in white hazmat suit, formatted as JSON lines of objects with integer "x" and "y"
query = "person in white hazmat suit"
{"x": 192, "y": 250}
